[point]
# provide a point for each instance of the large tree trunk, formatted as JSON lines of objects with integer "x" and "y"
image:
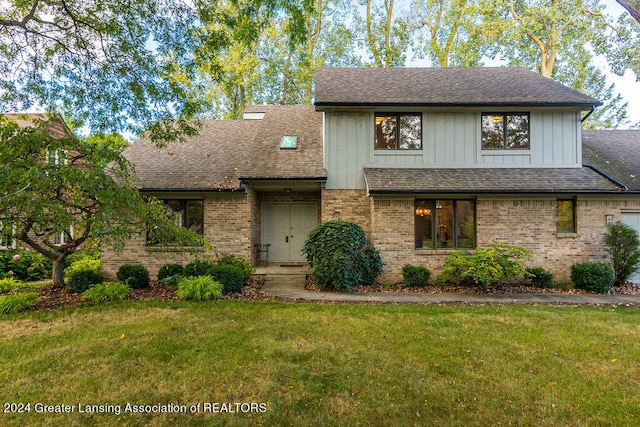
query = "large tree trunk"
{"x": 57, "y": 272}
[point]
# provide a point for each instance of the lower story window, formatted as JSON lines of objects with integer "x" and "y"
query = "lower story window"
{"x": 6, "y": 235}
{"x": 63, "y": 237}
{"x": 566, "y": 216}
{"x": 445, "y": 224}
{"x": 185, "y": 213}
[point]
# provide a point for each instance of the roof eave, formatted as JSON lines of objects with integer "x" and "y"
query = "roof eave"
{"x": 584, "y": 106}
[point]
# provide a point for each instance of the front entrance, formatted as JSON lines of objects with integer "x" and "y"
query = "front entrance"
{"x": 285, "y": 226}
{"x": 632, "y": 219}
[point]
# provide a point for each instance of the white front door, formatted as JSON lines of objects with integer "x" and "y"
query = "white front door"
{"x": 632, "y": 219}
{"x": 285, "y": 226}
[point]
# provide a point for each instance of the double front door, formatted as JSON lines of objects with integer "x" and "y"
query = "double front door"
{"x": 285, "y": 226}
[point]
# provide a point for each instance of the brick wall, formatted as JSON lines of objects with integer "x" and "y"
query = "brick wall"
{"x": 353, "y": 205}
{"x": 227, "y": 227}
{"x": 527, "y": 223}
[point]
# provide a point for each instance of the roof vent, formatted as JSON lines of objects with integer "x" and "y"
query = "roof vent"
{"x": 289, "y": 142}
{"x": 253, "y": 116}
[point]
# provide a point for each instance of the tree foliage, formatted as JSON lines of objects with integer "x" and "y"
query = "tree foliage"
{"x": 60, "y": 186}
{"x": 108, "y": 64}
{"x": 623, "y": 245}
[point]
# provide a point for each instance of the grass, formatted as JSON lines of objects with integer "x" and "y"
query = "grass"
{"x": 325, "y": 364}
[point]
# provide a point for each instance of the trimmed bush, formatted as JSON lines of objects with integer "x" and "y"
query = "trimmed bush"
{"x": 540, "y": 278}
{"x": 495, "y": 263}
{"x": 171, "y": 282}
{"x": 623, "y": 245}
{"x": 200, "y": 288}
{"x": 593, "y": 276}
{"x": 80, "y": 280}
{"x": 415, "y": 276}
{"x": 169, "y": 270}
{"x": 136, "y": 276}
{"x": 340, "y": 256}
{"x": 230, "y": 276}
{"x": 12, "y": 304}
{"x": 242, "y": 264}
{"x": 84, "y": 264}
{"x": 197, "y": 268}
{"x": 104, "y": 292}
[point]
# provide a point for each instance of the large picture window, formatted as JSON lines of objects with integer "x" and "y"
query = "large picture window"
{"x": 505, "y": 131}
{"x": 445, "y": 224}
{"x": 398, "y": 131}
{"x": 185, "y": 213}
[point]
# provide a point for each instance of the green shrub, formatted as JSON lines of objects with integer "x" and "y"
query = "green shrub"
{"x": 495, "y": 263}
{"x": 340, "y": 256}
{"x": 169, "y": 270}
{"x": 593, "y": 276}
{"x": 242, "y": 264}
{"x": 415, "y": 276}
{"x": 171, "y": 282}
{"x": 230, "y": 276}
{"x": 200, "y": 288}
{"x": 80, "y": 280}
{"x": 135, "y": 276}
{"x": 84, "y": 264}
{"x": 104, "y": 292}
{"x": 540, "y": 277}
{"x": 12, "y": 304}
{"x": 24, "y": 264}
{"x": 197, "y": 268}
{"x": 623, "y": 244}
{"x": 10, "y": 285}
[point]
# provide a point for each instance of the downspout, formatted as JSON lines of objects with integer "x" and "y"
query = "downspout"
{"x": 610, "y": 178}
{"x": 588, "y": 114}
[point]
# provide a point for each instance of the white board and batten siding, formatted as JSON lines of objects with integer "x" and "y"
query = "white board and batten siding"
{"x": 449, "y": 140}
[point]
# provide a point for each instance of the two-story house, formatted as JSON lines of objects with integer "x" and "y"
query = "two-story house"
{"x": 427, "y": 161}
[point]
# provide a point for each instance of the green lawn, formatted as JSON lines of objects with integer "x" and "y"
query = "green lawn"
{"x": 306, "y": 364}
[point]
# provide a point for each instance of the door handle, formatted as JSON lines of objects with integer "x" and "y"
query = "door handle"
{"x": 286, "y": 239}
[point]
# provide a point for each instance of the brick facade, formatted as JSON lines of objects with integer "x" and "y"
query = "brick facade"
{"x": 352, "y": 205}
{"x": 227, "y": 228}
{"x": 530, "y": 223}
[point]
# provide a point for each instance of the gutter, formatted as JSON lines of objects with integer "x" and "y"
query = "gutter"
{"x": 610, "y": 178}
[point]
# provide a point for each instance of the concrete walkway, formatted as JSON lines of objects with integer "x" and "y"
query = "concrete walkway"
{"x": 288, "y": 282}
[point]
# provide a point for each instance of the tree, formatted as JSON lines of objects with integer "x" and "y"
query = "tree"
{"x": 452, "y": 32}
{"x": 386, "y": 38}
{"x": 109, "y": 64}
{"x": 559, "y": 41}
{"x": 55, "y": 184}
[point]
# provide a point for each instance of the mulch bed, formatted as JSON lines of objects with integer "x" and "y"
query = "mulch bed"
{"x": 52, "y": 298}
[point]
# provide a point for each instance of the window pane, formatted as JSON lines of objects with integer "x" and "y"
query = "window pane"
{"x": 465, "y": 224}
{"x": 444, "y": 223}
{"x": 410, "y": 132}
{"x": 423, "y": 220}
{"x": 518, "y": 131}
{"x": 6, "y": 234}
{"x": 386, "y": 133}
{"x": 492, "y": 132}
{"x": 195, "y": 215}
{"x": 176, "y": 207}
{"x": 566, "y": 216}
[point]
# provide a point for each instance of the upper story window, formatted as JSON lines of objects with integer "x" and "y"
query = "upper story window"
{"x": 505, "y": 131}
{"x": 398, "y": 131}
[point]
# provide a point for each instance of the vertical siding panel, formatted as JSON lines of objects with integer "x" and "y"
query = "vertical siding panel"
{"x": 439, "y": 157}
{"x": 557, "y": 138}
{"x": 568, "y": 139}
{"x": 536, "y": 139}
{"x": 547, "y": 138}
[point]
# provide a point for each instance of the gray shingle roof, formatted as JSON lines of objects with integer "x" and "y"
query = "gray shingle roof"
{"x": 225, "y": 151}
{"x": 614, "y": 152}
{"x": 507, "y": 180}
{"x": 442, "y": 87}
